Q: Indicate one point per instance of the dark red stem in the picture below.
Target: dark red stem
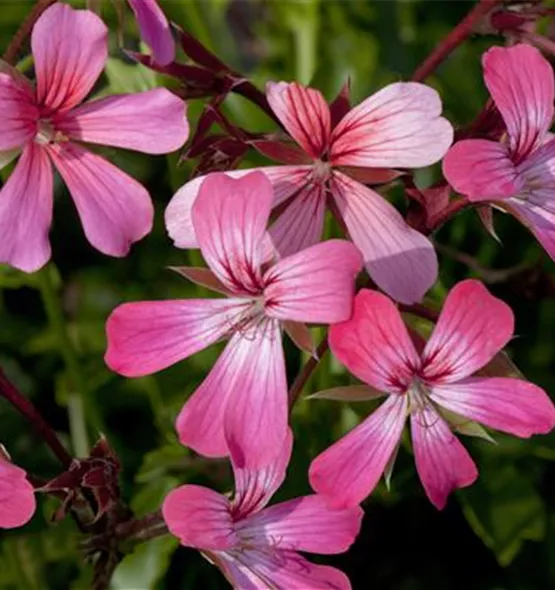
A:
(457, 36)
(442, 217)
(11, 53)
(9, 391)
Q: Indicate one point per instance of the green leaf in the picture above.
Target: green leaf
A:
(145, 566)
(504, 509)
(124, 78)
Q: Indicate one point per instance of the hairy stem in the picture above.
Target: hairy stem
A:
(142, 529)
(12, 52)
(10, 392)
(457, 36)
(306, 372)
(78, 393)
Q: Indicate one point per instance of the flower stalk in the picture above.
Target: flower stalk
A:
(10, 393)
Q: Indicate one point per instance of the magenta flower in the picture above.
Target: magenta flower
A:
(256, 547)
(399, 126)
(48, 126)
(17, 496)
(376, 347)
(516, 174)
(245, 394)
(155, 30)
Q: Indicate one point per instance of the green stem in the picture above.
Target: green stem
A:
(78, 386)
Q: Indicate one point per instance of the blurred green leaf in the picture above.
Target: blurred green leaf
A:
(505, 510)
(145, 566)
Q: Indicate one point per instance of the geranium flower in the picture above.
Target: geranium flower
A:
(17, 495)
(245, 393)
(257, 547)
(516, 174)
(376, 347)
(155, 30)
(399, 126)
(47, 124)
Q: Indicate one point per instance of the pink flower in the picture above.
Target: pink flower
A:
(518, 173)
(376, 347)
(256, 547)
(245, 394)
(17, 496)
(155, 30)
(47, 125)
(399, 126)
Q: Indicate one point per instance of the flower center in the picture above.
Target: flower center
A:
(418, 396)
(321, 172)
(47, 133)
(252, 318)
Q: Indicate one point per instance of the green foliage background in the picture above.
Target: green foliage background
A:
(497, 535)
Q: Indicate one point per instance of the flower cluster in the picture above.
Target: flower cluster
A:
(260, 233)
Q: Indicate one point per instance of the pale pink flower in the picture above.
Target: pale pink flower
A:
(399, 126)
(256, 547)
(47, 124)
(155, 30)
(17, 496)
(245, 393)
(516, 174)
(376, 347)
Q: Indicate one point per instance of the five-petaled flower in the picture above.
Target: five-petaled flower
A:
(155, 30)
(254, 546)
(48, 126)
(17, 495)
(398, 127)
(516, 174)
(376, 347)
(245, 394)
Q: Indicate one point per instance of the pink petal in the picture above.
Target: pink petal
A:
(481, 170)
(399, 126)
(152, 122)
(351, 468)
(304, 524)
(263, 569)
(374, 344)
(148, 336)
(17, 496)
(286, 181)
(242, 403)
(155, 30)
(510, 405)
(230, 217)
(442, 462)
(536, 209)
(256, 416)
(115, 209)
(19, 114)
(520, 81)
(254, 487)
(26, 211)
(200, 423)
(400, 260)
(315, 285)
(70, 49)
(305, 114)
(199, 518)
(473, 326)
(302, 223)
(537, 213)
